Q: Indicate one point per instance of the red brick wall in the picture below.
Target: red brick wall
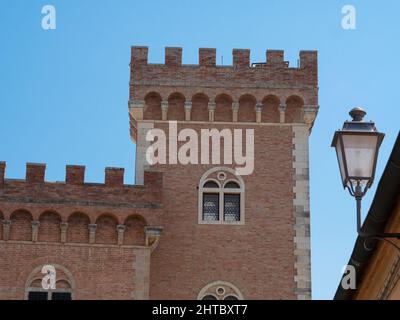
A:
(223, 109)
(256, 257)
(176, 108)
(270, 109)
(105, 232)
(153, 107)
(1, 225)
(78, 226)
(247, 109)
(133, 234)
(293, 110)
(104, 270)
(21, 227)
(99, 272)
(49, 228)
(199, 111)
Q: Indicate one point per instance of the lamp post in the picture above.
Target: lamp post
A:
(357, 146)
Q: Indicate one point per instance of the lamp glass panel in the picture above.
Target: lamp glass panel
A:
(360, 154)
(340, 159)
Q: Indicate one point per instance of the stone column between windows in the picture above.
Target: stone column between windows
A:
(235, 111)
(258, 112)
(6, 229)
(92, 233)
(188, 110)
(141, 281)
(35, 230)
(63, 228)
(120, 231)
(282, 109)
(301, 213)
(211, 111)
(164, 110)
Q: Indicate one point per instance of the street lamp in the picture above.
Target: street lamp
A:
(357, 146)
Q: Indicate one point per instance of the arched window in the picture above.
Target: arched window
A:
(220, 290)
(63, 284)
(221, 197)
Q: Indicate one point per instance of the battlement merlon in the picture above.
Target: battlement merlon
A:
(272, 74)
(75, 176)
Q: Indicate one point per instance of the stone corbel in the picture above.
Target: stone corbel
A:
(188, 109)
(211, 111)
(153, 234)
(136, 109)
(164, 109)
(309, 114)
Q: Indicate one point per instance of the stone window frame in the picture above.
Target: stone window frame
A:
(207, 291)
(32, 277)
(48, 291)
(221, 191)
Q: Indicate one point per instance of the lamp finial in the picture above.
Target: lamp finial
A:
(357, 114)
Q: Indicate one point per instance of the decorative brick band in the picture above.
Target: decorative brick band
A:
(301, 213)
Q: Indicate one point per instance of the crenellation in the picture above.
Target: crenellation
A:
(151, 85)
(276, 57)
(207, 57)
(239, 73)
(75, 177)
(75, 174)
(114, 177)
(139, 55)
(173, 56)
(35, 172)
(241, 58)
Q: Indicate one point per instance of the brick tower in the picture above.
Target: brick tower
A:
(229, 236)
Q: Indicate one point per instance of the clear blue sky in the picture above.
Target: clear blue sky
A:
(64, 92)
